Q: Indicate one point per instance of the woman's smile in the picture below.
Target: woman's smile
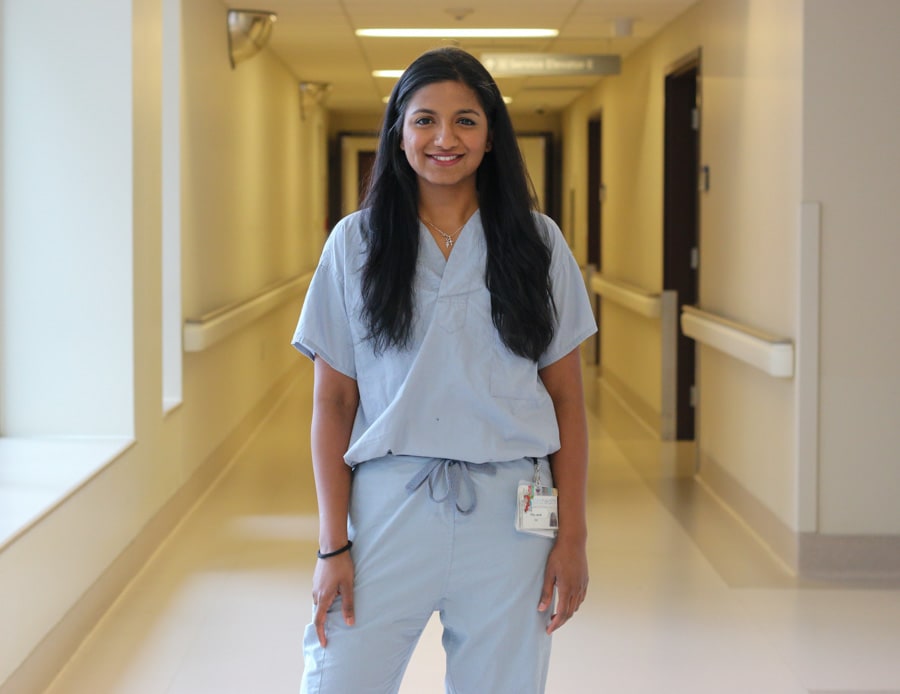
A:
(446, 158)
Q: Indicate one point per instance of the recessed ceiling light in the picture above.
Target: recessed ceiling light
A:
(458, 33)
(391, 74)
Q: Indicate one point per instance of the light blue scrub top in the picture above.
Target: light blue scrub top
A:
(457, 392)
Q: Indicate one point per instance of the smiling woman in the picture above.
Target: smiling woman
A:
(446, 370)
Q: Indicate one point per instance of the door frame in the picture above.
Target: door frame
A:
(681, 219)
(596, 196)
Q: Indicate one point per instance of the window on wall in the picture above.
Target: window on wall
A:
(67, 221)
(66, 270)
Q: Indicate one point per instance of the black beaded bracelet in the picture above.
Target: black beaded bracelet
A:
(336, 552)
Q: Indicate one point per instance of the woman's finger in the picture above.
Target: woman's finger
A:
(322, 604)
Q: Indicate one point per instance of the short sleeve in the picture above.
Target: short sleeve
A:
(324, 326)
(574, 314)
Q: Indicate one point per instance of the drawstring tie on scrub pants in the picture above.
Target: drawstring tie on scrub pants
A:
(455, 476)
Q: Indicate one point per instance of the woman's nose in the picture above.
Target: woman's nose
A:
(446, 136)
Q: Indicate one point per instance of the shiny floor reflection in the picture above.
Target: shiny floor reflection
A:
(682, 599)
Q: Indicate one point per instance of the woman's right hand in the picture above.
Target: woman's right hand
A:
(333, 577)
(335, 401)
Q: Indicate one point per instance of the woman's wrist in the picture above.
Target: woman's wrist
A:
(331, 543)
(335, 552)
(571, 535)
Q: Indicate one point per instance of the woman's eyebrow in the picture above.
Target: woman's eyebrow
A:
(461, 111)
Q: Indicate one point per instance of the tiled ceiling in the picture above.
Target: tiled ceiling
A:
(316, 39)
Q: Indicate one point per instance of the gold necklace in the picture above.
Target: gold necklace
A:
(449, 239)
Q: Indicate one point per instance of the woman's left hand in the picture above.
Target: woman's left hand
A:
(567, 571)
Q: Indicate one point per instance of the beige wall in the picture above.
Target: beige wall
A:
(253, 213)
(751, 87)
(850, 158)
(798, 105)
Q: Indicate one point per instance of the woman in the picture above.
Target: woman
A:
(444, 321)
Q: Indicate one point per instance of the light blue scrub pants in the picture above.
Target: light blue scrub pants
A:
(416, 552)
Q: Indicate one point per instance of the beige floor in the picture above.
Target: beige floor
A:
(681, 599)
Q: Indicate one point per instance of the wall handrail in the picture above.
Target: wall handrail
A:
(771, 354)
(628, 295)
(202, 332)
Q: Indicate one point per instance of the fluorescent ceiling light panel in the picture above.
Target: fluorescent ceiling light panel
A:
(458, 33)
(393, 74)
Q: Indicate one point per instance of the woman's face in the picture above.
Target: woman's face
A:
(445, 135)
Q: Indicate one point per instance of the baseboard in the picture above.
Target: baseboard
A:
(811, 556)
(768, 528)
(40, 668)
(870, 558)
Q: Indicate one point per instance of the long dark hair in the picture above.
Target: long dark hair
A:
(518, 257)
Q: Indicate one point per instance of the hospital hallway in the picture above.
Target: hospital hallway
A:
(682, 599)
(724, 173)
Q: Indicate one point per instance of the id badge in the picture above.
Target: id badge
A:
(536, 507)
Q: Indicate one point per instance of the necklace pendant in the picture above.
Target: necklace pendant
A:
(448, 242)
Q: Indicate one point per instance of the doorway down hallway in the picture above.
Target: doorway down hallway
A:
(682, 599)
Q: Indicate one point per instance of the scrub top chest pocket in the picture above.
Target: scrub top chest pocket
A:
(451, 312)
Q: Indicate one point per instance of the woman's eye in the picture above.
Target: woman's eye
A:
(466, 121)
(423, 121)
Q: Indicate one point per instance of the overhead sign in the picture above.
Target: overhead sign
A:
(549, 64)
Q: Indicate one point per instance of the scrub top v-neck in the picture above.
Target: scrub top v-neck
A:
(456, 392)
